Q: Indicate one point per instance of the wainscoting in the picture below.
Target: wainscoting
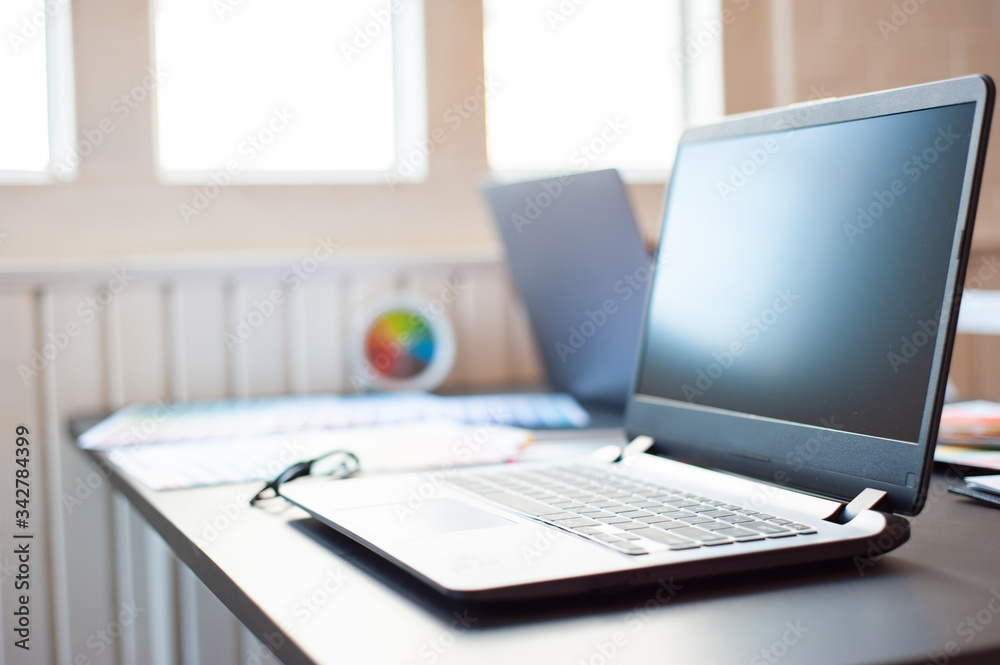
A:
(104, 588)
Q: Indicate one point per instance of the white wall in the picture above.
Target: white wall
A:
(162, 338)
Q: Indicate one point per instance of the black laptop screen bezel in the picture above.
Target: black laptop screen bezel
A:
(822, 460)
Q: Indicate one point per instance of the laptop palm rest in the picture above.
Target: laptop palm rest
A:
(401, 523)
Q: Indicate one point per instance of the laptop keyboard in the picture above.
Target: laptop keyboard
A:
(625, 514)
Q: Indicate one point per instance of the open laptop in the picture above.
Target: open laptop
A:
(583, 274)
(790, 375)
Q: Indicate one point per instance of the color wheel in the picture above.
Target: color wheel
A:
(399, 344)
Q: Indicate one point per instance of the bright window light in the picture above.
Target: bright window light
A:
(281, 88)
(24, 115)
(583, 86)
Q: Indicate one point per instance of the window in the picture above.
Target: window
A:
(35, 70)
(589, 85)
(292, 91)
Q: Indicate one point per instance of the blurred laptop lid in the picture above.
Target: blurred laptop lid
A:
(582, 272)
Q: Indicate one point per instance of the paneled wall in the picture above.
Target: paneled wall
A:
(94, 561)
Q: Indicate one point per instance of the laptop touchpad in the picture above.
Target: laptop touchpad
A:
(402, 521)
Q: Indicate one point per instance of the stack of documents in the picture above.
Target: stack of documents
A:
(171, 446)
(981, 488)
(974, 423)
(970, 434)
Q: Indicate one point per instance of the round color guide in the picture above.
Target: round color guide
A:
(399, 344)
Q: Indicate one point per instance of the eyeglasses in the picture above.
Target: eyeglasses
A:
(335, 464)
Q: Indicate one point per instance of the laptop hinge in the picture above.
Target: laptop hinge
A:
(636, 446)
(868, 499)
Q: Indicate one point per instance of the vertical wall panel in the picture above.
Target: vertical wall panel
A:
(198, 312)
(254, 651)
(463, 315)
(81, 388)
(258, 318)
(142, 319)
(132, 525)
(525, 359)
(20, 405)
(188, 608)
(238, 373)
(209, 632)
(56, 535)
(164, 338)
(205, 623)
(143, 336)
(324, 333)
(125, 576)
(161, 598)
(296, 351)
(488, 327)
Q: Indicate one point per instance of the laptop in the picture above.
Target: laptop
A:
(583, 275)
(789, 380)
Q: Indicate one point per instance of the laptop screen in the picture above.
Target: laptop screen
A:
(801, 273)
